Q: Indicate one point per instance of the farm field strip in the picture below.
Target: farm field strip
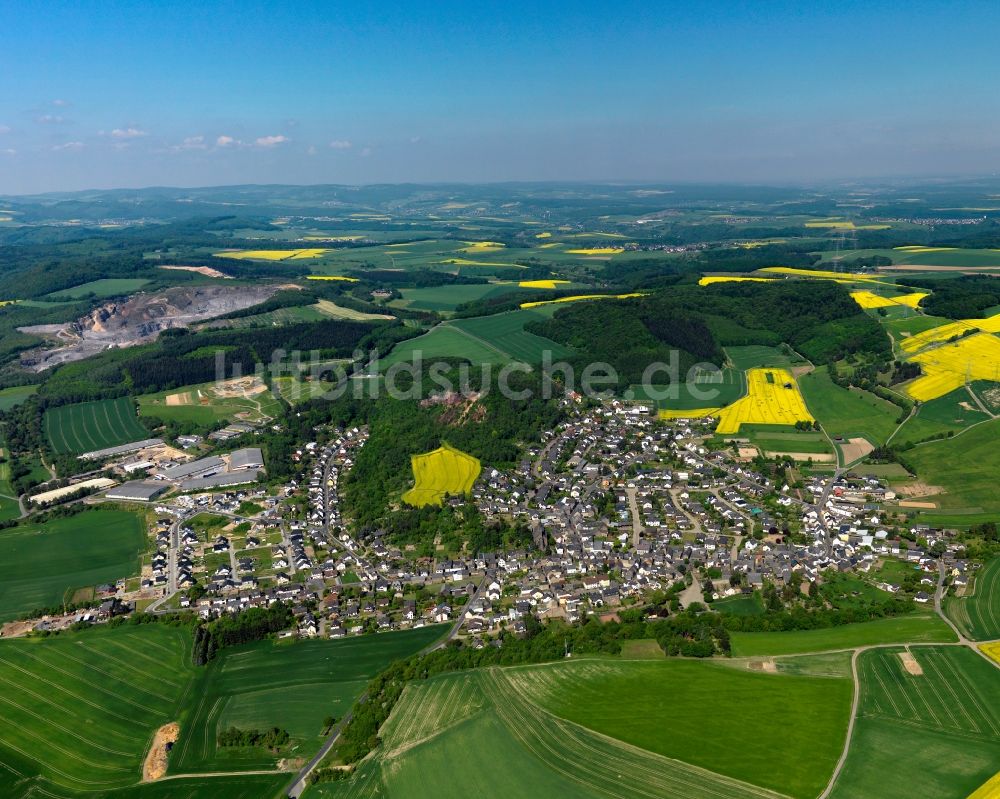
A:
(89, 426)
(942, 699)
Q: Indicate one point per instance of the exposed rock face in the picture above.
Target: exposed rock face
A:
(139, 320)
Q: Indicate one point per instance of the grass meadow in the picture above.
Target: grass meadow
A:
(923, 628)
(845, 412)
(89, 426)
(42, 564)
(105, 287)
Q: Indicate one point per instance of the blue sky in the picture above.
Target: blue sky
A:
(116, 94)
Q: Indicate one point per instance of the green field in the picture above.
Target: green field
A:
(978, 613)
(201, 405)
(944, 725)
(602, 727)
(505, 332)
(740, 605)
(443, 341)
(89, 426)
(495, 339)
(707, 390)
(292, 686)
(845, 412)
(317, 312)
(445, 299)
(754, 355)
(80, 710)
(951, 413)
(105, 287)
(41, 564)
(965, 467)
(9, 397)
(925, 628)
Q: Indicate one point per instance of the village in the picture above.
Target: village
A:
(619, 505)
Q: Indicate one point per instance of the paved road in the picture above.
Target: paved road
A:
(634, 510)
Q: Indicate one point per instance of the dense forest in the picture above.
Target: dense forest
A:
(817, 318)
(966, 297)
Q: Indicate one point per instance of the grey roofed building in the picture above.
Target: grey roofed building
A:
(221, 480)
(198, 468)
(248, 458)
(136, 491)
(121, 449)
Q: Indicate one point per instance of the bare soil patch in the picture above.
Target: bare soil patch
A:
(855, 449)
(910, 664)
(207, 271)
(918, 488)
(156, 760)
(239, 387)
(912, 503)
(768, 666)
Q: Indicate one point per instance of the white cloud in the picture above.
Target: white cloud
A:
(226, 141)
(127, 133)
(271, 141)
(4, 129)
(341, 144)
(311, 150)
(191, 143)
(60, 103)
(70, 145)
(9, 151)
(50, 119)
(366, 152)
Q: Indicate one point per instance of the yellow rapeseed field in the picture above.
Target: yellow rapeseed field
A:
(545, 235)
(446, 470)
(549, 245)
(271, 255)
(482, 246)
(991, 788)
(597, 251)
(867, 299)
(773, 397)
(922, 248)
(945, 368)
(541, 284)
(579, 297)
(819, 273)
(708, 281)
(993, 651)
(948, 330)
(332, 277)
